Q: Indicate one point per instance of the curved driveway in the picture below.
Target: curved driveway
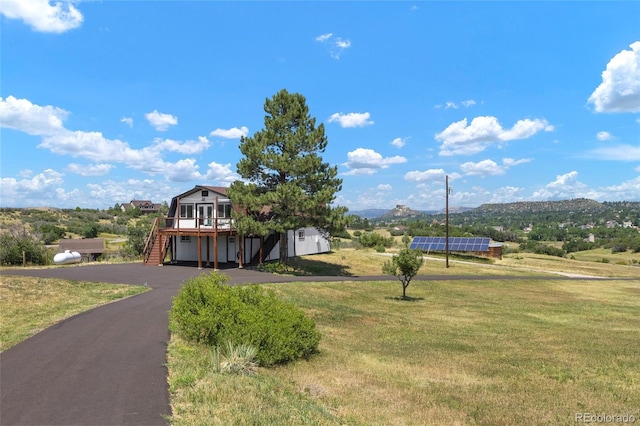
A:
(106, 366)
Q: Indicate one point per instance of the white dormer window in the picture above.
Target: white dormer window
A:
(205, 193)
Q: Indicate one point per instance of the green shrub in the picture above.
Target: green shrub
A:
(619, 248)
(209, 311)
(12, 248)
(373, 239)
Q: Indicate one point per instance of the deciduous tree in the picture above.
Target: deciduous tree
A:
(405, 265)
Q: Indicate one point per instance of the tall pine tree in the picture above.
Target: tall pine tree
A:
(287, 185)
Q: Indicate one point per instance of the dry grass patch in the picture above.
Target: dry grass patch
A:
(367, 262)
(585, 267)
(29, 305)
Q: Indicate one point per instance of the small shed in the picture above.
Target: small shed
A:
(89, 248)
(495, 250)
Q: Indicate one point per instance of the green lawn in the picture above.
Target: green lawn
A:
(461, 352)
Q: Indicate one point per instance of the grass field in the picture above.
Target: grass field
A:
(29, 305)
(461, 352)
(585, 264)
(350, 262)
(493, 352)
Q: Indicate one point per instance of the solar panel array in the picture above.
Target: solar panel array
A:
(455, 243)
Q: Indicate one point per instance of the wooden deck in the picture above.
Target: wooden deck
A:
(164, 229)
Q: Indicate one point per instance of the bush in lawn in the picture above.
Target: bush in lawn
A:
(207, 310)
(373, 239)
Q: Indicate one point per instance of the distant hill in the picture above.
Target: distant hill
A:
(575, 206)
(369, 213)
(578, 205)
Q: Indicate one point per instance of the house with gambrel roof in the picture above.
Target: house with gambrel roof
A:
(199, 229)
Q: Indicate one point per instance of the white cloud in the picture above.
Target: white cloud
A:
(90, 169)
(620, 87)
(187, 170)
(616, 153)
(324, 37)
(43, 16)
(187, 148)
(384, 187)
(95, 147)
(127, 120)
(524, 129)
(110, 192)
(232, 133)
(453, 105)
(509, 162)
(565, 187)
(506, 194)
(460, 138)
(47, 122)
(604, 136)
(22, 115)
(399, 142)
(564, 180)
(161, 121)
(367, 161)
(628, 190)
(483, 168)
(41, 190)
(432, 175)
(182, 170)
(221, 173)
(352, 119)
(489, 167)
(336, 45)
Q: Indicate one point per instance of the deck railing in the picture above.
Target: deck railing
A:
(191, 223)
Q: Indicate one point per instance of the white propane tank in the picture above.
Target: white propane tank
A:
(67, 257)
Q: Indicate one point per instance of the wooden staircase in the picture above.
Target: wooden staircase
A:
(155, 248)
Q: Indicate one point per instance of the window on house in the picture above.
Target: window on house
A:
(301, 235)
(185, 238)
(224, 210)
(205, 193)
(186, 211)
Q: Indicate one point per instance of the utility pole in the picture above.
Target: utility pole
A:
(446, 242)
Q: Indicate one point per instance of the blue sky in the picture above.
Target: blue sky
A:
(104, 102)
